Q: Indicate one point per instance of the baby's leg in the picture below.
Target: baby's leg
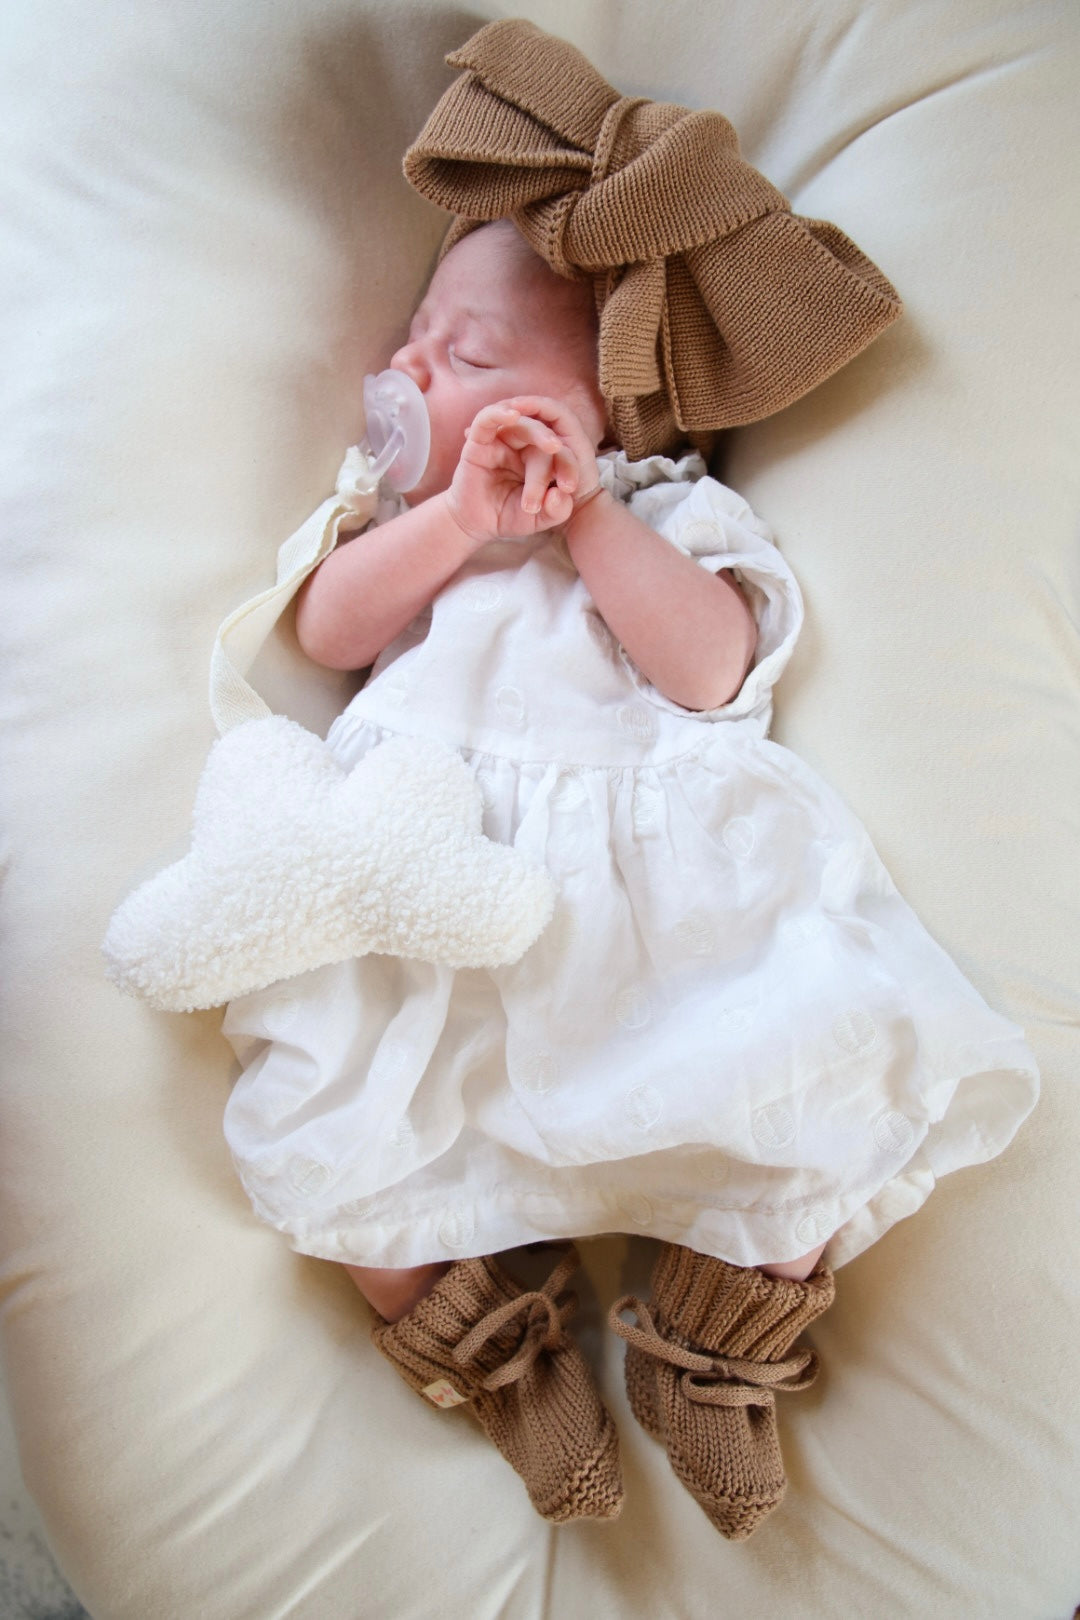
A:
(394, 1293)
(794, 1270)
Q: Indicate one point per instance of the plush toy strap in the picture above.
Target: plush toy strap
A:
(232, 698)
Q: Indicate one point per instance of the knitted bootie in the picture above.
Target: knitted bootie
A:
(702, 1369)
(480, 1338)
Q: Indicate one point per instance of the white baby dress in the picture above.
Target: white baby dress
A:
(733, 1034)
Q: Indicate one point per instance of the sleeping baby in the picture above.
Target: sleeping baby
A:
(733, 1036)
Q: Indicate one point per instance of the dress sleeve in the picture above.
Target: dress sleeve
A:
(712, 524)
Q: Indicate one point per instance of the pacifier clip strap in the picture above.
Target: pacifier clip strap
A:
(232, 698)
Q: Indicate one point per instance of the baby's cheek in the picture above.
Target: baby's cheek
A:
(442, 464)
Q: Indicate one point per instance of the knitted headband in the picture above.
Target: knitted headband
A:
(717, 304)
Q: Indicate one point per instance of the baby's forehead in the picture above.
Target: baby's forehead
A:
(470, 309)
(499, 299)
(515, 314)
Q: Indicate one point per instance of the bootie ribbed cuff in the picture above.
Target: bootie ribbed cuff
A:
(421, 1345)
(708, 1304)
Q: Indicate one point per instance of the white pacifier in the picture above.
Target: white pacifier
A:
(397, 436)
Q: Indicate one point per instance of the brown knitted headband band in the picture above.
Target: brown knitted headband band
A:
(717, 304)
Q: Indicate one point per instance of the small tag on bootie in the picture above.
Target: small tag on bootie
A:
(440, 1393)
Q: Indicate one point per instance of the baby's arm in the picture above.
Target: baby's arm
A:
(371, 587)
(690, 632)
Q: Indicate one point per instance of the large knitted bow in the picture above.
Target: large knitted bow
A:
(717, 304)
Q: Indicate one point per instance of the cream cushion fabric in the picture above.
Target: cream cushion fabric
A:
(205, 242)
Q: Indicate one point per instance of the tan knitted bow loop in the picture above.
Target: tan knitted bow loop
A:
(546, 1317)
(649, 1340)
(717, 304)
(732, 1381)
(713, 1380)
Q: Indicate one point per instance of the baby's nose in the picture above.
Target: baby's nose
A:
(410, 360)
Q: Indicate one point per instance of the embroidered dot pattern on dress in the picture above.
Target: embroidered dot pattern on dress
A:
(732, 1030)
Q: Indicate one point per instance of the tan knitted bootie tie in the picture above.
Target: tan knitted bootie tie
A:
(702, 1370)
(480, 1338)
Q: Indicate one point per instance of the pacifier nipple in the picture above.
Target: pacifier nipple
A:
(398, 433)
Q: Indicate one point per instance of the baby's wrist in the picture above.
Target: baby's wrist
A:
(475, 537)
(592, 505)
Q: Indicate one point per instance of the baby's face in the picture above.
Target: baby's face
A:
(496, 322)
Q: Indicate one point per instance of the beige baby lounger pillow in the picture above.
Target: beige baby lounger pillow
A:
(206, 242)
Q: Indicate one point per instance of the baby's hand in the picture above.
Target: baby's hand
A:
(526, 464)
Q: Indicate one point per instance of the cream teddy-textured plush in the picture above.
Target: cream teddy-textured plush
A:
(296, 863)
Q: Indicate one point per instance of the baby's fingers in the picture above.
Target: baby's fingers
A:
(558, 505)
(527, 434)
(521, 431)
(539, 471)
(492, 423)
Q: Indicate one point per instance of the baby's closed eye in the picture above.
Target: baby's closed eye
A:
(469, 363)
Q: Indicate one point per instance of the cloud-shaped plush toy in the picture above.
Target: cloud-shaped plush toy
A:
(296, 863)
